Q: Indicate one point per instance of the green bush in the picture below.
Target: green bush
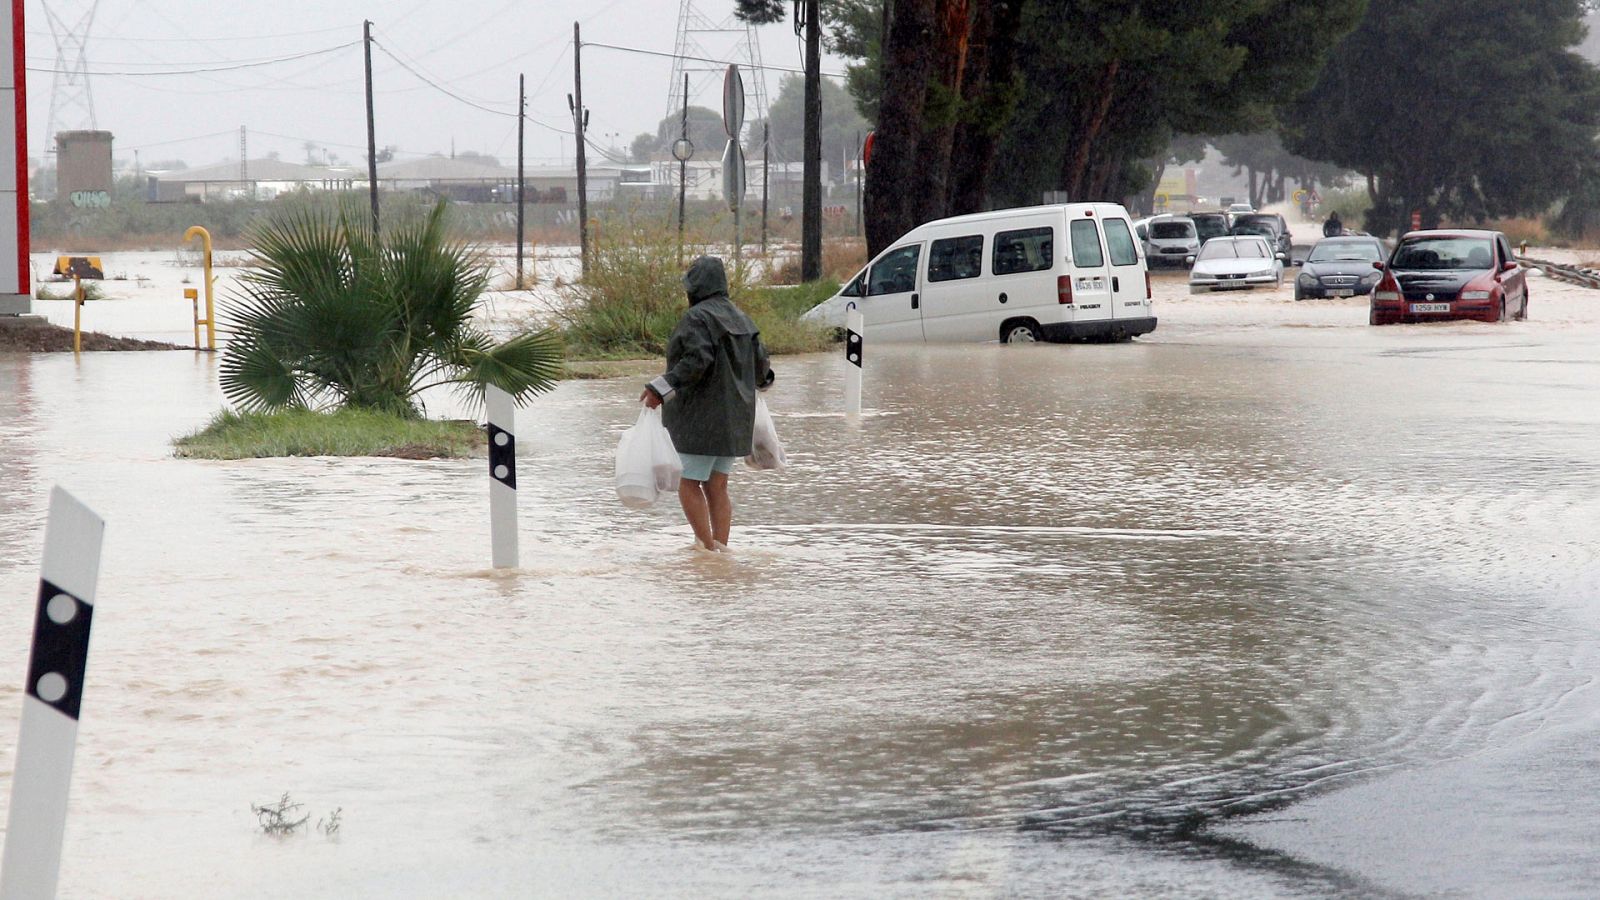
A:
(335, 315)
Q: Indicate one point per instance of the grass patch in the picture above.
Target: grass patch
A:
(632, 297)
(346, 432)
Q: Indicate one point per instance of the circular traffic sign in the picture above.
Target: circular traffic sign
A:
(682, 149)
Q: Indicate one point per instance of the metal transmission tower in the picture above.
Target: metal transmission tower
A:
(704, 48)
(71, 100)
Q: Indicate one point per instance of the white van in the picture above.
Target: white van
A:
(1037, 273)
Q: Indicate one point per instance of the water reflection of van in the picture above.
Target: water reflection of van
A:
(1055, 273)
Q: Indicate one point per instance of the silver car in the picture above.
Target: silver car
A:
(1235, 263)
(1171, 241)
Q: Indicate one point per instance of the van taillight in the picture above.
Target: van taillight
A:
(1064, 289)
(1147, 294)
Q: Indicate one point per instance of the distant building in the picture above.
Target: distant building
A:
(83, 168)
(468, 179)
(260, 179)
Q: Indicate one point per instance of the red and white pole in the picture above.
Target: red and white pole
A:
(16, 295)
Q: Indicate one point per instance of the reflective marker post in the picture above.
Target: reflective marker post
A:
(502, 476)
(48, 735)
(854, 344)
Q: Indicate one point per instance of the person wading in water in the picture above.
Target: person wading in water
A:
(715, 365)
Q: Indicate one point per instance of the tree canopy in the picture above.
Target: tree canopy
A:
(841, 123)
(705, 132)
(1457, 109)
(1077, 96)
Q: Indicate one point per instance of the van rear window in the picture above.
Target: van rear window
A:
(1024, 250)
(1086, 245)
(1120, 243)
(950, 259)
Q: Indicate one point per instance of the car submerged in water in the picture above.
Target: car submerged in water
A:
(1235, 263)
(1340, 267)
(1450, 274)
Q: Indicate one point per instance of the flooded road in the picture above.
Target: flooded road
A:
(1053, 621)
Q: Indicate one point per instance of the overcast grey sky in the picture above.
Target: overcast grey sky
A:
(475, 49)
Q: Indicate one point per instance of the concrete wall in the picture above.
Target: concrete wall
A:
(83, 167)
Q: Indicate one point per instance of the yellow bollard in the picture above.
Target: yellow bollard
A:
(210, 321)
(193, 296)
(77, 315)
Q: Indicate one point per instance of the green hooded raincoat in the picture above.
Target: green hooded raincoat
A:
(715, 365)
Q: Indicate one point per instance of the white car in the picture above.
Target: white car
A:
(1235, 263)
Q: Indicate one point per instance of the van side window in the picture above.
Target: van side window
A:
(896, 273)
(1120, 242)
(953, 258)
(1024, 250)
(1086, 245)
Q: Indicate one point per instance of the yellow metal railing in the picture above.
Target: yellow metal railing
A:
(210, 321)
(77, 314)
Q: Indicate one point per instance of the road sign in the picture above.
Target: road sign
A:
(732, 101)
(1299, 195)
(733, 174)
(682, 149)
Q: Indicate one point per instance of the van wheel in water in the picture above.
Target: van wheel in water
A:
(1020, 331)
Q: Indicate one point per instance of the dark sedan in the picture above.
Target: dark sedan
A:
(1283, 244)
(1340, 267)
(1266, 226)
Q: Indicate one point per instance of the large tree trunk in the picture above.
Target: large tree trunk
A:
(893, 172)
(987, 102)
(942, 109)
(1078, 164)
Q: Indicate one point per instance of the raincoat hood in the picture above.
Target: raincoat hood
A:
(705, 279)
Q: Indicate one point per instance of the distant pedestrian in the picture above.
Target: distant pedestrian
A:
(715, 365)
(1333, 227)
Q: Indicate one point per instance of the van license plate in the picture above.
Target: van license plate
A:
(1430, 307)
(1343, 292)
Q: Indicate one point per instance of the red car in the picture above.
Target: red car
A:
(1450, 274)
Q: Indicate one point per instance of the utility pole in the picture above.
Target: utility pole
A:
(683, 150)
(580, 121)
(522, 118)
(811, 196)
(244, 162)
(858, 182)
(372, 138)
(766, 153)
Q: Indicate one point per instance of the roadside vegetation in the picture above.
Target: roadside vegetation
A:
(633, 296)
(343, 432)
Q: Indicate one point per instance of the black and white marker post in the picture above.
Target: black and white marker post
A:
(48, 736)
(502, 477)
(854, 344)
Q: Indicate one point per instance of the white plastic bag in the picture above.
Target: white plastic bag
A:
(647, 463)
(766, 451)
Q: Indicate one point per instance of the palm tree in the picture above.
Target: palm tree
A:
(333, 316)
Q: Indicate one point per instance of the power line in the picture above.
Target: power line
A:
(439, 87)
(190, 40)
(226, 68)
(723, 62)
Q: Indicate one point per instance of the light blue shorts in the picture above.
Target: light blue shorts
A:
(698, 468)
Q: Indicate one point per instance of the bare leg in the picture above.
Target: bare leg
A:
(720, 505)
(691, 495)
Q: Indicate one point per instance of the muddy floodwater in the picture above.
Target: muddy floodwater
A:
(1267, 604)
